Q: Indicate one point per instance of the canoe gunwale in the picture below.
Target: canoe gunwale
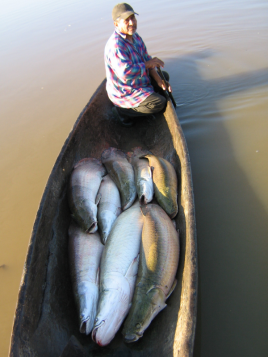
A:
(184, 345)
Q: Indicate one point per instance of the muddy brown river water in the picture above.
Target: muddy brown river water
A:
(217, 55)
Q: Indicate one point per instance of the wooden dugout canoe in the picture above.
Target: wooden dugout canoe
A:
(46, 322)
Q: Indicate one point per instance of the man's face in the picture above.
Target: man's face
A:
(127, 26)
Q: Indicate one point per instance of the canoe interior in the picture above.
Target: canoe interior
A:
(46, 321)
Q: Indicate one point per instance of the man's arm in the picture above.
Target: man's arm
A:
(151, 64)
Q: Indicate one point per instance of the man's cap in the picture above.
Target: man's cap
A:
(122, 11)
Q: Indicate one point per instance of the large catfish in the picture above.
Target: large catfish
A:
(119, 266)
(85, 252)
(122, 173)
(83, 188)
(165, 184)
(143, 175)
(109, 206)
(159, 258)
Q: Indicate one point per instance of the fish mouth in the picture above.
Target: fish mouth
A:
(132, 337)
(104, 238)
(84, 328)
(95, 329)
(143, 200)
(93, 227)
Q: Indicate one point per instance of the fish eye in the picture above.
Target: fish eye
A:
(138, 325)
(96, 319)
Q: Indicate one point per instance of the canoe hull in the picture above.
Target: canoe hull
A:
(46, 321)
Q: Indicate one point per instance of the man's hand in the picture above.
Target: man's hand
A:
(154, 62)
(161, 83)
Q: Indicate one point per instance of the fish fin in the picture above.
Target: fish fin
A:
(155, 287)
(97, 281)
(158, 298)
(172, 288)
(98, 198)
(133, 268)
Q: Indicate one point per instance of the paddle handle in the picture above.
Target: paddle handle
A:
(167, 93)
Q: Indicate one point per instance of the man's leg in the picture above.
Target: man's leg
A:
(151, 105)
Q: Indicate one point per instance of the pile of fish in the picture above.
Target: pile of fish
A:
(123, 251)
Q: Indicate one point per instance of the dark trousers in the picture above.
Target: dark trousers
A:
(151, 105)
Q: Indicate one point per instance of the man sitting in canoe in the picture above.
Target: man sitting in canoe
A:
(132, 79)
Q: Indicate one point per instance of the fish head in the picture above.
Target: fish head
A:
(87, 304)
(112, 309)
(86, 216)
(92, 219)
(145, 308)
(106, 220)
(146, 191)
(170, 206)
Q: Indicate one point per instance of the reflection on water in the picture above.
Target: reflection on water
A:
(216, 53)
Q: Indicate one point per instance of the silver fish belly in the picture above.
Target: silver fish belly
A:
(143, 176)
(109, 207)
(119, 266)
(83, 188)
(159, 259)
(85, 252)
(122, 173)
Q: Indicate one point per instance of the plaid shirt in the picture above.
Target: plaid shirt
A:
(128, 82)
